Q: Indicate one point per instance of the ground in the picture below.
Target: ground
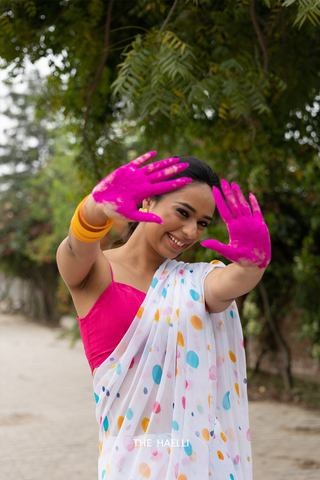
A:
(47, 415)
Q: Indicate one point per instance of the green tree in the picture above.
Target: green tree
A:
(235, 82)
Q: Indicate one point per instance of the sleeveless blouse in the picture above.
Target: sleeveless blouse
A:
(108, 320)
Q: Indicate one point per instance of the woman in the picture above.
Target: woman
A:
(163, 337)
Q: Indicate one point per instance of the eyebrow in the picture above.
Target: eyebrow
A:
(194, 210)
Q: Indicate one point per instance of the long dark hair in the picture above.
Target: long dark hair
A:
(198, 170)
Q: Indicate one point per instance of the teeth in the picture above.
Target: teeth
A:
(175, 241)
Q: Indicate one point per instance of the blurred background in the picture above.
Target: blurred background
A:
(87, 86)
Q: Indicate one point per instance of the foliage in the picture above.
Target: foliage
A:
(236, 83)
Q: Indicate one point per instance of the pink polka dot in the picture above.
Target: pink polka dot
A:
(189, 304)
(128, 442)
(213, 373)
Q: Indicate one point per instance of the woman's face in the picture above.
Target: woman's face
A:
(186, 213)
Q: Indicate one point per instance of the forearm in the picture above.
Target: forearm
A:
(233, 281)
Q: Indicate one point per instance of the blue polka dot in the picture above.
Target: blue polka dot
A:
(239, 428)
(244, 380)
(157, 374)
(231, 476)
(188, 448)
(190, 271)
(195, 295)
(231, 313)
(192, 414)
(103, 474)
(118, 395)
(164, 293)
(173, 405)
(200, 409)
(175, 425)
(106, 424)
(145, 390)
(103, 389)
(154, 282)
(197, 434)
(107, 393)
(182, 281)
(192, 359)
(129, 414)
(226, 401)
(118, 370)
(117, 448)
(211, 433)
(96, 398)
(111, 359)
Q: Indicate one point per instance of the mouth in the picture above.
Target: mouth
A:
(175, 243)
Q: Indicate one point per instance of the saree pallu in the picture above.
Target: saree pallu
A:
(171, 399)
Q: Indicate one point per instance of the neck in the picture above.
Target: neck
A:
(140, 254)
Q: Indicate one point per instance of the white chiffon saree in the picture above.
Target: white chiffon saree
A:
(171, 399)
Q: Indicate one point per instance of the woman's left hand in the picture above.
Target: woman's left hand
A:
(249, 235)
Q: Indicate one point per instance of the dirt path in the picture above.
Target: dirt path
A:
(48, 428)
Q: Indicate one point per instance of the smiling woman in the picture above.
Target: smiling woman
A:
(163, 338)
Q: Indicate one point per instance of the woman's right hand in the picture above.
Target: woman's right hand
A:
(120, 193)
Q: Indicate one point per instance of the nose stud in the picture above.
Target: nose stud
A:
(143, 209)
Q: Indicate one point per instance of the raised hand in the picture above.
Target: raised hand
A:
(121, 192)
(249, 236)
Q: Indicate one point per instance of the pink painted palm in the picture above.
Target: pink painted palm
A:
(249, 235)
(121, 192)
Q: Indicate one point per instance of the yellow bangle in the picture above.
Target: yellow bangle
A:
(85, 232)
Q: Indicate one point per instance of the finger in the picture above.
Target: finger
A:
(218, 247)
(145, 217)
(241, 200)
(154, 167)
(141, 160)
(167, 172)
(221, 206)
(232, 202)
(255, 208)
(165, 187)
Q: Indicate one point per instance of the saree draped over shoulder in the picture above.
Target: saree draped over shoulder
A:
(171, 399)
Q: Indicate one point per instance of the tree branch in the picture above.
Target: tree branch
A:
(93, 87)
(169, 15)
(261, 41)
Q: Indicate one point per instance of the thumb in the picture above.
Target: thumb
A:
(146, 217)
(218, 247)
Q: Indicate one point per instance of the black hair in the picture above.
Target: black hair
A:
(198, 170)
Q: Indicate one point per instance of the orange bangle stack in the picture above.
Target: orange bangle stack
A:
(85, 232)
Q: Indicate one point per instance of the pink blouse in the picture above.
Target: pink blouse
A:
(108, 320)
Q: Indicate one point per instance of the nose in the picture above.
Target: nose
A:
(190, 230)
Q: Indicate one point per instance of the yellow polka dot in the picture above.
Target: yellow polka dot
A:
(196, 322)
(140, 312)
(100, 447)
(182, 477)
(214, 262)
(206, 434)
(157, 316)
(150, 349)
(236, 386)
(119, 422)
(193, 456)
(222, 435)
(180, 340)
(169, 450)
(107, 469)
(177, 312)
(232, 356)
(107, 433)
(113, 366)
(248, 458)
(144, 470)
(168, 319)
(144, 423)
(208, 347)
(209, 399)
(220, 455)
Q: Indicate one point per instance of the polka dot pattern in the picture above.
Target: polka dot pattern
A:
(171, 400)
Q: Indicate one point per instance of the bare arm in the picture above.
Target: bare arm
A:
(75, 258)
(223, 285)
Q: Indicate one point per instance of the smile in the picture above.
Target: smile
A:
(174, 240)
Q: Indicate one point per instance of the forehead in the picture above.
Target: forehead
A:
(197, 195)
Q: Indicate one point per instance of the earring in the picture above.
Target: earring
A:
(143, 209)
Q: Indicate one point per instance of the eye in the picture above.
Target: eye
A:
(183, 212)
(203, 224)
